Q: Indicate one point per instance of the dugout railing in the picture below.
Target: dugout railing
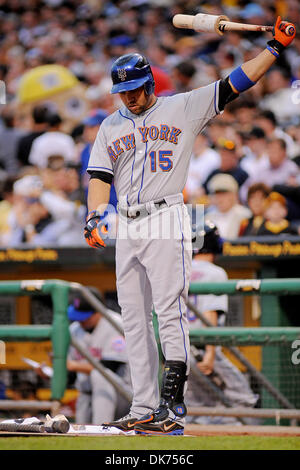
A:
(58, 331)
(278, 378)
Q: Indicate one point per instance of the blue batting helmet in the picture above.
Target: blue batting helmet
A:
(131, 71)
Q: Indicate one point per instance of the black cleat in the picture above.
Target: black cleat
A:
(158, 422)
(125, 424)
(163, 428)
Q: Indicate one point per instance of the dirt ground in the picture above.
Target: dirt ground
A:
(227, 430)
(207, 430)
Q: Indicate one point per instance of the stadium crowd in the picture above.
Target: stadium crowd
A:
(245, 168)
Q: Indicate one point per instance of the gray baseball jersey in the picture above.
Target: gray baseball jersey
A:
(148, 154)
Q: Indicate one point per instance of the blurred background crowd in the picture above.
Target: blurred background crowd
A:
(55, 59)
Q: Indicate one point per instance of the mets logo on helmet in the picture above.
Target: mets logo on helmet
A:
(122, 74)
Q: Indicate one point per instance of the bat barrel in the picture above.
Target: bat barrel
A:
(183, 21)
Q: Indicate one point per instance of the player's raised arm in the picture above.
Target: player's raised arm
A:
(244, 77)
(214, 97)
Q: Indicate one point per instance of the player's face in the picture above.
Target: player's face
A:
(136, 100)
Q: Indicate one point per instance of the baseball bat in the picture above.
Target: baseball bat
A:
(58, 424)
(15, 427)
(219, 24)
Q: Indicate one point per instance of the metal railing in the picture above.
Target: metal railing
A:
(59, 334)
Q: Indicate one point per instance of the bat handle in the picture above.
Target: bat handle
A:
(15, 427)
(231, 26)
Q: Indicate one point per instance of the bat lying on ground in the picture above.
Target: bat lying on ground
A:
(58, 424)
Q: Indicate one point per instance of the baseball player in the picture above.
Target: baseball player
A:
(210, 360)
(97, 400)
(145, 147)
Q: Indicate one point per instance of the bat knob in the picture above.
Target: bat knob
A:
(289, 30)
(58, 424)
(61, 427)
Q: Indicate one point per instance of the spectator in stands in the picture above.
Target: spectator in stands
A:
(52, 142)
(92, 125)
(204, 160)
(279, 97)
(275, 216)
(64, 198)
(38, 127)
(34, 218)
(6, 206)
(98, 401)
(226, 212)
(244, 114)
(256, 199)
(216, 130)
(33, 224)
(226, 62)
(278, 169)
(9, 139)
(255, 153)
(238, 45)
(255, 157)
(183, 74)
(229, 163)
(294, 132)
(291, 192)
(267, 121)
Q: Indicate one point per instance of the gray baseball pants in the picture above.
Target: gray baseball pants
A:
(153, 264)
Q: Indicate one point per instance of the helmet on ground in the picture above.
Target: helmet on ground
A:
(131, 71)
(206, 239)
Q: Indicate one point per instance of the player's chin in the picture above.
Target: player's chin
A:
(135, 108)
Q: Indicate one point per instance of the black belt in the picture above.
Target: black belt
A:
(157, 204)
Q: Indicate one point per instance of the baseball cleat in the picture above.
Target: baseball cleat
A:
(164, 428)
(125, 424)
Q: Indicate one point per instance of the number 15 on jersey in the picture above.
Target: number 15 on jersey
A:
(164, 161)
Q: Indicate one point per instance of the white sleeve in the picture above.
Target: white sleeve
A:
(211, 302)
(202, 105)
(34, 153)
(58, 207)
(99, 158)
